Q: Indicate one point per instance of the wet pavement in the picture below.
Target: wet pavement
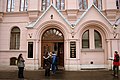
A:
(60, 75)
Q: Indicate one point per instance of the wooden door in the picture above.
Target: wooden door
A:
(46, 47)
(61, 54)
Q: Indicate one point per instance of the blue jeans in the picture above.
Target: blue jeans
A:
(53, 68)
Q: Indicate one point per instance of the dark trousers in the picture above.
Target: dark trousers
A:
(47, 72)
(20, 72)
(116, 70)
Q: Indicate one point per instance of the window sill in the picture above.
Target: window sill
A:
(92, 50)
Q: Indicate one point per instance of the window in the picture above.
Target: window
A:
(83, 4)
(118, 4)
(60, 4)
(13, 61)
(45, 4)
(23, 5)
(98, 3)
(91, 39)
(53, 34)
(15, 38)
(98, 41)
(10, 5)
(30, 49)
(85, 39)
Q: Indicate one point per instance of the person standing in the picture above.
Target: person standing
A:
(21, 65)
(116, 64)
(47, 64)
(54, 62)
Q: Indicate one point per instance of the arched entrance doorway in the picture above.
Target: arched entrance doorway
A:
(53, 40)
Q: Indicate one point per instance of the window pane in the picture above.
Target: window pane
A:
(13, 5)
(58, 4)
(8, 5)
(62, 4)
(80, 4)
(30, 49)
(22, 5)
(26, 5)
(53, 34)
(45, 4)
(98, 4)
(85, 39)
(15, 38)
(48, 3)
(83, 4)
(98, 40)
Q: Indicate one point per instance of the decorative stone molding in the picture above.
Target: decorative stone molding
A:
(72, 14)
(33, 15)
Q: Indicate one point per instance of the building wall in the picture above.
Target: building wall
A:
(71, 22)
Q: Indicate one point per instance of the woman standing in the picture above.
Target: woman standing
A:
(47, 64)
(21, 66)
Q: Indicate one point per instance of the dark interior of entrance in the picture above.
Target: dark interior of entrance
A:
(58, 48)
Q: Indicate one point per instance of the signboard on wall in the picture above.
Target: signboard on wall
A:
(72, 49)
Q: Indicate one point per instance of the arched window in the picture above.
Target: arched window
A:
(23, 5)
(60, 4)
(85, 39)
(15, 38)
(45, 4)
(98, 40)
(10, 5)
(91, 39)
(52, 34)
(98, 4)
(83, 4)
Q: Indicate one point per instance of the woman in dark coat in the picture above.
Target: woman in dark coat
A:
(47, 64)
(21, 66)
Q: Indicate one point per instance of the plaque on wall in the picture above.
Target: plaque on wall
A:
(72, 49)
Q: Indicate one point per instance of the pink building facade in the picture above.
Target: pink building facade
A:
(83, 33)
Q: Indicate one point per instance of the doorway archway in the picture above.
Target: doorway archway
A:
(53, 40)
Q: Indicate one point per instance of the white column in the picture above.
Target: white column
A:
(91, 38)
(78, 54)
(66, 54)
(109, 52)
(36, 55)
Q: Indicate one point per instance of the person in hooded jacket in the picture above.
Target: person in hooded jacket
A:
(116, 64)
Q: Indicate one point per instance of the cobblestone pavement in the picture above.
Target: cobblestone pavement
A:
(60, 75)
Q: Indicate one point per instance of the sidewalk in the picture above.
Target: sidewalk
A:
(60, 75)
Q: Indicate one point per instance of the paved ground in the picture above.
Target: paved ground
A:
(60, 75)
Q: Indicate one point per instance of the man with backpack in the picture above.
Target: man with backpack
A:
(116, 64)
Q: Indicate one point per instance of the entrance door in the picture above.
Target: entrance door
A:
(53, 40)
